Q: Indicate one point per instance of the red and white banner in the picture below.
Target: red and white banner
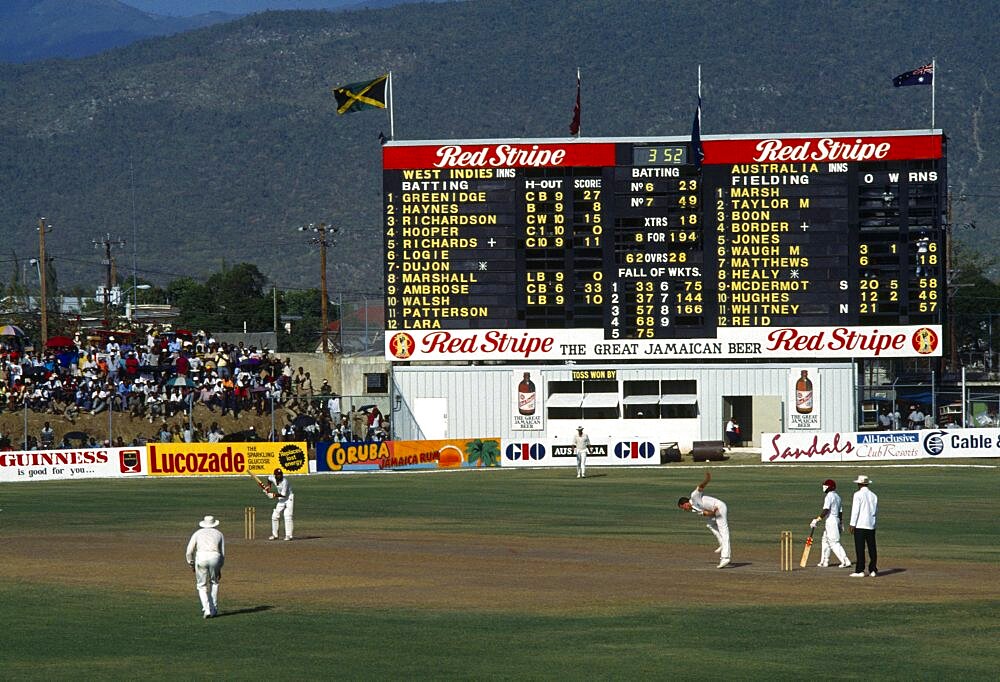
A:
(827, 149)
(807, 148)
(512, 154)
(799, 448)
(590, 344)
(50, 465)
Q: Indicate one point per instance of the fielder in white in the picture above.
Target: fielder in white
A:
(832, 510)
(280, 489)
(206, 552)
(716, 510)
(581, 444)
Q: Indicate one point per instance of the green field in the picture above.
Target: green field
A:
(541, 575)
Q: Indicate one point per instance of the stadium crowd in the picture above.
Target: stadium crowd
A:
(158, 374)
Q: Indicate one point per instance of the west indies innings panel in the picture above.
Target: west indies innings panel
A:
(799, 245)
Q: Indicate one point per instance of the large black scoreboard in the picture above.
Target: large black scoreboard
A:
(804, 245)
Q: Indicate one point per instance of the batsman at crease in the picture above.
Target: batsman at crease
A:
(278, 488)
(831, 513)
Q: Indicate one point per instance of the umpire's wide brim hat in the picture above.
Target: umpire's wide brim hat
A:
(209, 522)
(863, 480)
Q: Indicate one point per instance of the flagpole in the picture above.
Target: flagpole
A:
(699, 80)
(934, 77)
(392, 125)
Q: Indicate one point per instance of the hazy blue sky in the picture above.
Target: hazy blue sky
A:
(189, 7)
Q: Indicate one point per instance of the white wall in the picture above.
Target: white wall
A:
(481, 399)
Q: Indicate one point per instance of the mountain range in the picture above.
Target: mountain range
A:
(211, 146)
(32, 30)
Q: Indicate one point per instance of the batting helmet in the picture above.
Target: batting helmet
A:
(829, 484)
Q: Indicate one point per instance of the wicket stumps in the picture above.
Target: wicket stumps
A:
(786, 550)
(249, 523)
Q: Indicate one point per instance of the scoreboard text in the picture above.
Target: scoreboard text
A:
(819, 245)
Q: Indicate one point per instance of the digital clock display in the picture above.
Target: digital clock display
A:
(659, 155)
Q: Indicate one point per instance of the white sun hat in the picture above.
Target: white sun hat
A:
(209, 522)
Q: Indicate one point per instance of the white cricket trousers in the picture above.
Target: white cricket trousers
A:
(581, 463)
(831, 542)
(719, 525)
(286, 508)
(207, 574)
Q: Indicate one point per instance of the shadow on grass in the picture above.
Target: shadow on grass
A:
(890, 571)
(240, 612)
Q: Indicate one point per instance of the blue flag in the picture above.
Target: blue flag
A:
(922, 76)
(697, 152)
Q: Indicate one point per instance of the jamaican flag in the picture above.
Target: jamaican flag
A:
(365, 95)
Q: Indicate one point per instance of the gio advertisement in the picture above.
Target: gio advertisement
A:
(534, 453)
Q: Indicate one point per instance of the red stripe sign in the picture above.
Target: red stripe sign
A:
(507, 155)
(823, 149)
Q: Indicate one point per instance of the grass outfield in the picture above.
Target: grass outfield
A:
(501, 574)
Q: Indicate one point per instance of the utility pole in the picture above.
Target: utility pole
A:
(949, 277)
(108, 263)
(324, 237)
(274, 301)
(42, 228)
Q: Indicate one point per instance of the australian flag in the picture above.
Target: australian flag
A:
(922, 76)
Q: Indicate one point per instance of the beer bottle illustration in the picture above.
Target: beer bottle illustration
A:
(804, 394)
(526, 395)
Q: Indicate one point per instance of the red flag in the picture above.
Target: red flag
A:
(574, 125)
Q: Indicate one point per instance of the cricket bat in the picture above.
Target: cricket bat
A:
(263, 486)
(808, 548)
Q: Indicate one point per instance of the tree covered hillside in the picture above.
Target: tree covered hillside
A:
(212, 146)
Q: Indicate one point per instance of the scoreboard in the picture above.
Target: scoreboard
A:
(801, 245)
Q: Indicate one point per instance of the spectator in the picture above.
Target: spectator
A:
(374, 418)
(102, 399)
(333, 406)
(733, 435)
(47, 438)
(307, 388)
(214, 433)
(884, 420)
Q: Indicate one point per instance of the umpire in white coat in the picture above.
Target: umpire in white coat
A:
(864, 516)
(206, 552)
